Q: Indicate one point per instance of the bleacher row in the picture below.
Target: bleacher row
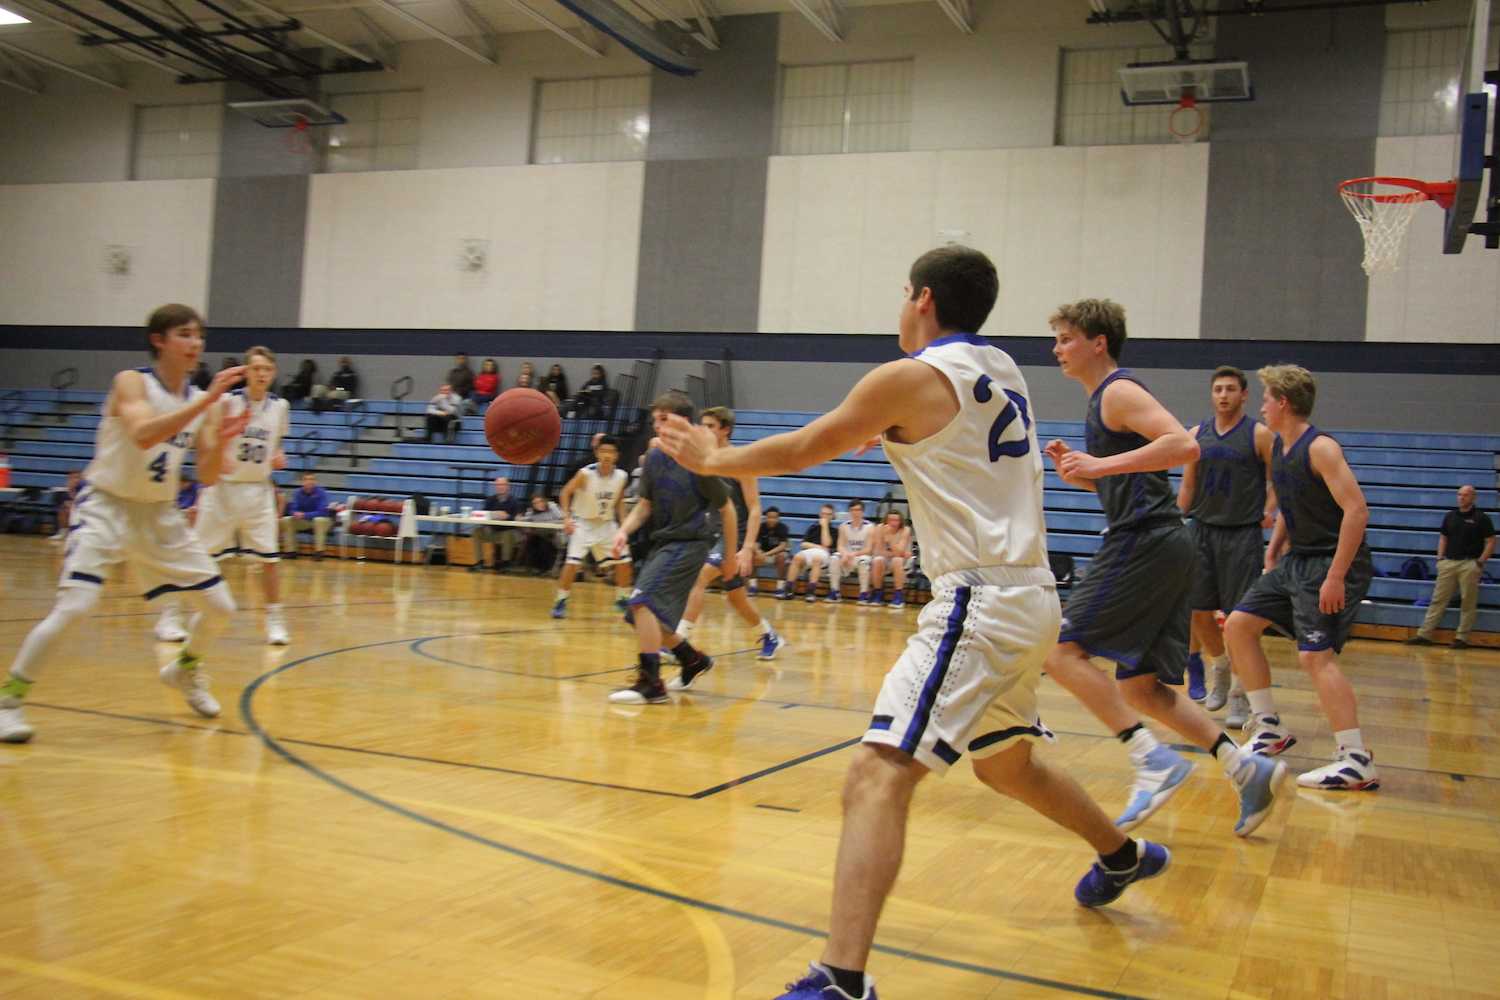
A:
(1409, 479)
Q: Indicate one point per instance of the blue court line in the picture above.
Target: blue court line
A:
(247, 712)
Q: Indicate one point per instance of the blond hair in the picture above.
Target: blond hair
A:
(723, 414)
(264, 352)
(1292, 383)
(1095, 318)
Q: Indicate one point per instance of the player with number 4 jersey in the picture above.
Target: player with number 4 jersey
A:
(956, 421)
(125, 512)
(238, 516)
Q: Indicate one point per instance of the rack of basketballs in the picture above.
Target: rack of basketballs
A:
(374, 517)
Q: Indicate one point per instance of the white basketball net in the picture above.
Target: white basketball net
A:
(1383, 219)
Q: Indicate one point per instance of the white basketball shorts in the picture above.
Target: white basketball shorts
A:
(597, 537)
(154, 538)
(967, 679)
(239, 519)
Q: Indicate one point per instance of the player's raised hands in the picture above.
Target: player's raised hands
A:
(1056, 449)
(232, 426)
(224, 380)
(689, 444)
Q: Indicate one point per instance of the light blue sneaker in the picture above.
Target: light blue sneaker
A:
(1163, 773)
(1101, 886)
(819, 985)
(1257, 779)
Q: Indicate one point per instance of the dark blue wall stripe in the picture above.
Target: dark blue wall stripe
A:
(859, 348)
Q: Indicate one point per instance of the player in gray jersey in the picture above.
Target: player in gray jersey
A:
(1227, 495)
(1132, 606)
(1317, 570)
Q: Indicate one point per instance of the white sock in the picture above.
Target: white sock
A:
(1235, 687)
(1261, 702)
(1349, 739)
(765, 628)
(1219, 662)
(562, 595)
(1142, 743)
(685, 628)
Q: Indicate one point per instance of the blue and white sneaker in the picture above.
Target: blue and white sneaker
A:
(560, 609)
(1196, 691)
(1257, 779)
(784, 593)
(1268, 738)
(770, 644)
(1156, 781)
(834, 596)
(819, 985)
(897, 602)
(1101, 886)
(1351, 771)
(864, 598)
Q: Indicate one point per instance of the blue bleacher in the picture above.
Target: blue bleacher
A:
(1408, 478)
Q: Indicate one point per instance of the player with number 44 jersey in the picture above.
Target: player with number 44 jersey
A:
(956, 420)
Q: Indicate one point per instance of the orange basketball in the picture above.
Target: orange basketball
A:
(522, 426)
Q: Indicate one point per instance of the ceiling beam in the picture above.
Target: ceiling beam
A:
(824, 15)
(20, 75)
(61, 67)
(440, 35)
(327, 40)
(595, 49)
(119, 51)
(961, 13)
(484, 33)
(381, 42)
(706, 33)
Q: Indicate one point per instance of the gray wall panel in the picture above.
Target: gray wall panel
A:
(728, 109)
(1281, 255)
(260, 229)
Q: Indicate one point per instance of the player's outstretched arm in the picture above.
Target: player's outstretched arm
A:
(148, 429)
(1130, 407)
(1264, 441)
(1327, 460)
(884, 398)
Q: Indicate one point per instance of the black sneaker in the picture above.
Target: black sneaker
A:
(1461, 644)
(646, 690)
(1419, 640)
(691, 673)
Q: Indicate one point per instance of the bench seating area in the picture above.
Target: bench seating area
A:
(1409, 479)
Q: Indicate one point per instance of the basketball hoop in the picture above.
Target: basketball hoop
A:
(297, 140)
(1186, 120)
(1384, 208)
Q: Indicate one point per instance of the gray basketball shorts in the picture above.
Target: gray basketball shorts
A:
(716, 560)
(666, 578)
(1229, 562)
(1288, 597)
(1132, 605)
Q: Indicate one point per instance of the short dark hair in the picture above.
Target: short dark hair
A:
(164, 318)
(963, 282)
(1095, 318)
(856, 503)
(674, 401)
(825, 503)
(1230, 371)
(609, 439)
(773, 510)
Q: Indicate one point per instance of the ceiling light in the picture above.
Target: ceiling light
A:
(9, 17)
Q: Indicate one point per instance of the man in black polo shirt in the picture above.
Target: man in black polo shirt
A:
(1465, 545)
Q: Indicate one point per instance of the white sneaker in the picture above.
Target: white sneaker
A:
(13, 727)
(186, 675)
(1218, 688)
(1351, 771)
(276, 634)
(169, 625)
(1239, 710)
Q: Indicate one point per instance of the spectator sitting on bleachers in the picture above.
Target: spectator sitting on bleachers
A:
(64, 500)
(497, 546)
(555, 386)
(527, 372)
(308, 510)
(461, 379)
(539, 549)
(300, 385)
(892, 552)
(590, 399)
(817, 547)
(771, 545)
(442, 414)
(344, 384)
(486, 384)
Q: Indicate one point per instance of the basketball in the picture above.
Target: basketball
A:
(522, 426)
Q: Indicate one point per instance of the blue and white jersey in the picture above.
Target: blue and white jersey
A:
(975, 487)
(248, 459)
(123, 469)
(595, 499)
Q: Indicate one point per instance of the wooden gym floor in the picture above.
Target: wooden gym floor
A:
(426, 795)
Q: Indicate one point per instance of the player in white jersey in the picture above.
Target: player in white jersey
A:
(126, 511)
(238, 515)
(856, 548)
(592, 503)
(957, 426)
